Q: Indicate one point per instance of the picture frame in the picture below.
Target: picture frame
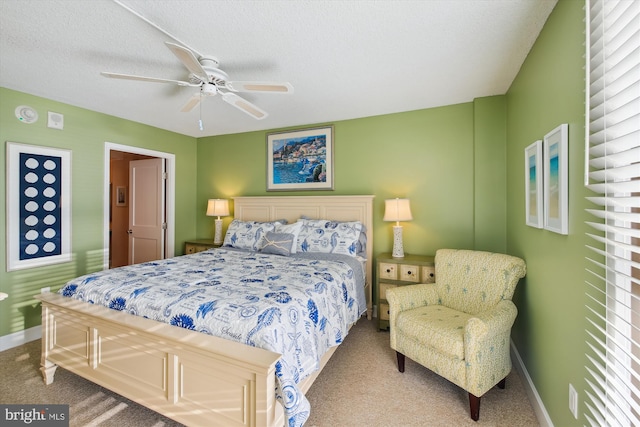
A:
(533, 183)
(121, 196)
(38, 198)
(300, 159)
(556, 185)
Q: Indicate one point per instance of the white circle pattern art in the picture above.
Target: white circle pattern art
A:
(40, 187)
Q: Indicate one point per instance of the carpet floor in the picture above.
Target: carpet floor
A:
(360, 386)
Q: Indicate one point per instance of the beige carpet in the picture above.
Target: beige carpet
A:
(360, 386)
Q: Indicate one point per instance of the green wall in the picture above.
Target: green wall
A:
(549, 330)
(428, 156)
(85, 133)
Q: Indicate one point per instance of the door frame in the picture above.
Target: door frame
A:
(170, 162)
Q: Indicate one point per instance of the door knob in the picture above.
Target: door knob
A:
(129, 231)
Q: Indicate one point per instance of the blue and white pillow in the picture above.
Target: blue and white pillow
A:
(324, 236)
(247, 234)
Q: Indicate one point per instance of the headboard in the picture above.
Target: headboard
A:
(339, 208)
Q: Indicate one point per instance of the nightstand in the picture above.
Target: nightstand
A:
(195, 246)
(392, 272)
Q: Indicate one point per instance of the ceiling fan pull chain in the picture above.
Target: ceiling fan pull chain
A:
(200, 120)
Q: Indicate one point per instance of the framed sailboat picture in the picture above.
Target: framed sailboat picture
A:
(300, 160)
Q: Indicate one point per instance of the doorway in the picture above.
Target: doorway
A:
(116, 224)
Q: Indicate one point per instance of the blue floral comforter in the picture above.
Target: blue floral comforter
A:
(298, 306)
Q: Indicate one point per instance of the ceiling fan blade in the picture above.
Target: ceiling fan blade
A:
(146, 79)
(271, 87)
(189, 60)
(244, 105)
(191, 103)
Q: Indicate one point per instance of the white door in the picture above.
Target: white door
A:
(146, 210)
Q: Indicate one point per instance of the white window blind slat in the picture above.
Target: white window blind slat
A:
(614, 160)
(601, 148)
(629, 232)
(619, 216)
(619, 173)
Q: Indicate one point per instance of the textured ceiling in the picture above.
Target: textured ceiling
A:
(346, 59)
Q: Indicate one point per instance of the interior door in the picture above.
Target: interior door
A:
(146, 210)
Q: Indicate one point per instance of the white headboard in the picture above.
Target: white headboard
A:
(339, 208)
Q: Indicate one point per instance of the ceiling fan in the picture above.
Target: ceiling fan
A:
(211, 80)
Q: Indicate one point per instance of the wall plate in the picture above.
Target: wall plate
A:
(26, 114)
(55, 120)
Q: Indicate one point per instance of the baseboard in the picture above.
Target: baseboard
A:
(532, 393)
(18, 338)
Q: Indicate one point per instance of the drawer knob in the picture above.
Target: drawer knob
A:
(430, 274)
(410, 273)
(388, 270)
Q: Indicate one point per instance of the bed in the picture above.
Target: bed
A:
(189, 376)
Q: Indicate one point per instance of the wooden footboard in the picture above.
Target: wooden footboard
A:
(193, 378)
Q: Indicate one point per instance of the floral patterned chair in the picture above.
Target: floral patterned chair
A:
(459, 327)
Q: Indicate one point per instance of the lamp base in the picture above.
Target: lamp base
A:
(398, 250)
(217, 236)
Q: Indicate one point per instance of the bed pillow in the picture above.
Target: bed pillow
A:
(277, 243)
(325, 236)
(291, 229)
(247, 234)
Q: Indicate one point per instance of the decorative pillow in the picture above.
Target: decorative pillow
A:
(321, 235)
(277, 243)
(292, 229)
(247, 234)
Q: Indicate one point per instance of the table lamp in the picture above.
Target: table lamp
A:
(218, 207)
(397, 210)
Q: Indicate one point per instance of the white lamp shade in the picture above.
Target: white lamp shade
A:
(397, 210)
(218, 207)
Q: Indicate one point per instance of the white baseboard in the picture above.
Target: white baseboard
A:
(532, 393)
(19, 338)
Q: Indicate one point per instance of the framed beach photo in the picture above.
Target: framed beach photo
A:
(556, 185)
(300, 160)
(38, 206)
(533, 184)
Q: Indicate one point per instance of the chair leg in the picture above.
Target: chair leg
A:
(400, 357)
(502, 384)
(474, 406)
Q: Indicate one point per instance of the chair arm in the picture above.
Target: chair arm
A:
(486, 347)
(404, 298)
(492, 322)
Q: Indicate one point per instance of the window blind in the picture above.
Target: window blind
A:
(612, 396)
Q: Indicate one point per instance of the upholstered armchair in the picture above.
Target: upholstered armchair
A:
(459, 327)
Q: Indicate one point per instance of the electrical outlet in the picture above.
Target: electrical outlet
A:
(573, 401)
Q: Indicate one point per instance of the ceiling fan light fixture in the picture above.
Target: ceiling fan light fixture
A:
(208, 89)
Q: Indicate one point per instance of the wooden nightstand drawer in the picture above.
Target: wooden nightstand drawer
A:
(388, 271)
(383, 289)
(384, 311)
(195, 246)
(192, 249)
(395, 272)
(428, 274)
(409, 273)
